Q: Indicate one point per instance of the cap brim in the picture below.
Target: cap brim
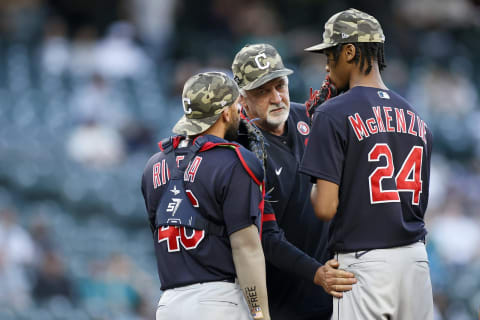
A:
(192, 127)
(269, 76)
(320, 47)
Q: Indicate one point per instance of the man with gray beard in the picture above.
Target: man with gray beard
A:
(297, 266)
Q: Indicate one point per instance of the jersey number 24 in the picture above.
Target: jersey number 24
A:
(408, 178)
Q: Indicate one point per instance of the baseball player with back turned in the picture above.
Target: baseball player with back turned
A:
(369, 153)
(295, 252)
(204, 199)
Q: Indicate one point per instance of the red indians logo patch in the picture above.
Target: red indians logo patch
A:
(303, 128)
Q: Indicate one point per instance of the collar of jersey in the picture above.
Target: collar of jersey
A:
(211, 138)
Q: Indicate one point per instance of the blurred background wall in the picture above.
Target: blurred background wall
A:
(88, 87)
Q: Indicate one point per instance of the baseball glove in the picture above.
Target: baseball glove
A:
(252, 138)
(317, 97)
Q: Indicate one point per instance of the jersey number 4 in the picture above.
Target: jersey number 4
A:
(408, 178)
(178, 235)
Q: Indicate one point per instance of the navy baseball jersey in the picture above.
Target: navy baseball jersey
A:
(222, 191)
(377, 148)
(288, 194)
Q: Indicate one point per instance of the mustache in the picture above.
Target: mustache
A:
(272, 107)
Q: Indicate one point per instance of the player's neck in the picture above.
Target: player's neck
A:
(373, 79)
(216, 130)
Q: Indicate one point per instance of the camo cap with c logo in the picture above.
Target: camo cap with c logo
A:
(205, 96)
(257, 64)
(349, 26)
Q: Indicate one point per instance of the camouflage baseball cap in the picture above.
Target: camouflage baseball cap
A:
(349, 26)
(204, 97)
(257, 64)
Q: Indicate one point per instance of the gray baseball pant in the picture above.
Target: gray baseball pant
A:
(392, 284)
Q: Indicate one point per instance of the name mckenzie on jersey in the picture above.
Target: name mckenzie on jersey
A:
(395, 121)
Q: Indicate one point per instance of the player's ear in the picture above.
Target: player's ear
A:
(243, 103)
(349, 51)
(226, 116)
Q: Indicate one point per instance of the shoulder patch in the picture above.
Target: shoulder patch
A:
(303, 128)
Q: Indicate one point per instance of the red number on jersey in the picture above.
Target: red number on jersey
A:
(171, 235)
(176, 235)
(411, 167)
(377, 194)
(192, 241)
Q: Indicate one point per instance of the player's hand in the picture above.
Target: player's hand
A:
(317, 97)
(333, 280)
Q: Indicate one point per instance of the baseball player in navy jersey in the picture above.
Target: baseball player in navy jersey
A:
(369, 153)
(294, 267)
(204, 199)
